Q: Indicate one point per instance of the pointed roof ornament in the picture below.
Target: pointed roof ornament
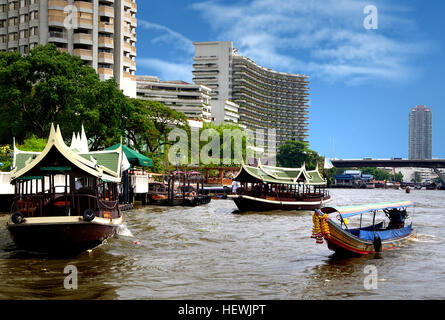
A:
(84, 141)
(259, 162)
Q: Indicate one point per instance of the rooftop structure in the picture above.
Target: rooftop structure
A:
(191, 99)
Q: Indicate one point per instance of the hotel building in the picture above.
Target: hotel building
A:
(191, 99)
(101, 32)
(267, 99)
(420, 133)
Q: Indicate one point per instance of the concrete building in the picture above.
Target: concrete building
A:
(420, 133)
(101, 32)
(225, 111)
(267, 99)
(191, 99)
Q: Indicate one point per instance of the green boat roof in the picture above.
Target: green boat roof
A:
(280, 175)
(134, 157)
(102, 164)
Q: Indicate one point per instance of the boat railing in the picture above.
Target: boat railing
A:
(41, 205)
(291, 195)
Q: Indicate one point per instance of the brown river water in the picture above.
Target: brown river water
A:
(210, 252)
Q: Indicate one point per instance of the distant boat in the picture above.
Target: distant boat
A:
(65, 201)
(332, 225)
(266, 188)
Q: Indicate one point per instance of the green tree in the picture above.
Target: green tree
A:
(41, 88)
(150, 122)
(238, 139)
(378, 174)
(49, 86)
(293, 154)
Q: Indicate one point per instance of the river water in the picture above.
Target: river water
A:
(210, 252)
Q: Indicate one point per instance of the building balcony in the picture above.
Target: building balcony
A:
(105, 71)
(57, 20)
(106, 11)
(56, 36)
(128, 75)
(105, 42)
(57, 4)
(129, 48)
(83, 6)
(83, 38)
(105, 57)
(106, 27)
(84, 54)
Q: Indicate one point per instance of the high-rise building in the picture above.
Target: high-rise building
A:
(101, 32)
(267, 99)
(191, 99)
(420, 133)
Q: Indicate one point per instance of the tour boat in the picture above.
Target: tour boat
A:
(266, 188)
(66, 200)
(332, 225)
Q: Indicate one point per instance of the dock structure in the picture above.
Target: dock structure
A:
(6, 192)
(171, 189)
(434, 164)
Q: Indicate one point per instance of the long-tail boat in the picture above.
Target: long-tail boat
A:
(265, 188)
(332, 225)
(66, 200)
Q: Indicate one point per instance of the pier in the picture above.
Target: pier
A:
(434, 164)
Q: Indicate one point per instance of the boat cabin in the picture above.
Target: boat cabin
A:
(283, 184)
(60, 181)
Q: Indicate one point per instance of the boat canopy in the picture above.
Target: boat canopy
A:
(279, 175)
(58, 157)
(134, 157)
(350, 211)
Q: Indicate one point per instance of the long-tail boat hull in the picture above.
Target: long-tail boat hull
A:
(62, 234)
(249, 203)
(363, 240)
(343, 243)
(268, 188)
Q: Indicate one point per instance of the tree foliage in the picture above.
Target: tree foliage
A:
(293, 154)
(49, 86)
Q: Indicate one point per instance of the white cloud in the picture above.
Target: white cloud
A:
(166, 70)
(169, 36)
(324, 39)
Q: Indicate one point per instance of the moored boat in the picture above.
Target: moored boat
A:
(66, 201)
(390, 233)
(266, 188)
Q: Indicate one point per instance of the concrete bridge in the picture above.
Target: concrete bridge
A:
(434, 164)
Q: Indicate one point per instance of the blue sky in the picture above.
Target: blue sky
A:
(362, 82)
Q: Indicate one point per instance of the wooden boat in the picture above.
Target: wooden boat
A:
(65, 201)
(332, 225)
(266, 188)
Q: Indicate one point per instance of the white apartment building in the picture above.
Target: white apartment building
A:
(101, 32)
(267, 99)
(191, 99)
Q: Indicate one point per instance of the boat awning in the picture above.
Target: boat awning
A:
(57, 157)
(350, 211)
(280, 175)
(134, 157)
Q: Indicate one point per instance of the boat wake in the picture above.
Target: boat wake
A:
(427, 238)
(124, 231)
